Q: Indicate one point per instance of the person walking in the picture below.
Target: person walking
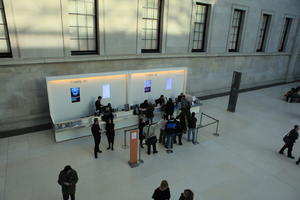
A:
(192, 127)
(67, 179)
(110, 133)
(187, 195)
(289, 141)
(97, 136)
(162, 192)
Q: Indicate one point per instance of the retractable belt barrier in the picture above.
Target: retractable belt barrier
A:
(215, 121)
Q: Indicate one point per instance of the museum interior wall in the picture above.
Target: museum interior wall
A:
(40, 46)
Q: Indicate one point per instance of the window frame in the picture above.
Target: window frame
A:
(159, 28)
(205, 30)
(283, 38)
(240, 29)
(89, 52)
(262, 47)
(9, 53)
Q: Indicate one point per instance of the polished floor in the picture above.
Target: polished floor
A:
(241, 164)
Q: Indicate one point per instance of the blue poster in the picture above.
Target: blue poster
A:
(75, 95)
(147, 86)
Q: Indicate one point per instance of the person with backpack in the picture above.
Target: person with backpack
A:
(172, 127)
(149, 132)
(289, 141)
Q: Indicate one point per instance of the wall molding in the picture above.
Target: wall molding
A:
(89, 58)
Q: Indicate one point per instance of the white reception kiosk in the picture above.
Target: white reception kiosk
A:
(72, 97)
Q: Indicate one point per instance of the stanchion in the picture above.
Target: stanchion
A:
(133, 162)
(196, 140)
(124, 146)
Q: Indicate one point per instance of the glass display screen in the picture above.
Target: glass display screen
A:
(106, 91)
(75, 95)
(147, 86)
(169, 84)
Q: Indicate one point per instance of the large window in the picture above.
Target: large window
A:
(236, 30)
(285, 32)
(5, 50)
(200, 27)
(263, 32)
(83, 26)
(152, 12)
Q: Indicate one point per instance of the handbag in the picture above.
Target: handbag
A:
(286, 138)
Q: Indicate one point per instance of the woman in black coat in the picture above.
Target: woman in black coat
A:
(110, 133)
(162, 192)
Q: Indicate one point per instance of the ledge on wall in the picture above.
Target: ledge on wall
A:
(24, 61)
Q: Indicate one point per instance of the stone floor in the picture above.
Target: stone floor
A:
(241, 164)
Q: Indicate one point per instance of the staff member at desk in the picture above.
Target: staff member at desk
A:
(97, 136)
(110, 133)
(98, 105)
(143, 107)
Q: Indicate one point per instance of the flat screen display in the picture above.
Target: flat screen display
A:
(169, 84)
(106, 91)
(75, 95)
(147, 86)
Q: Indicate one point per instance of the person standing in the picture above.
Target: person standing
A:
(170, 131)
(162, 192)
(142, 124)
(149, 112)
(289, 141)
(169, 109)
(192, 127)
(150, 136)
(110, 133)
(183, 127)
(97, 136)
(98, 105)
(162, 135)
(67, 179)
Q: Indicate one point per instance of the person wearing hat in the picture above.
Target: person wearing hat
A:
(97, 137)
(67, 179)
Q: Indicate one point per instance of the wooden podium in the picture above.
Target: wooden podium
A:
(133, 162)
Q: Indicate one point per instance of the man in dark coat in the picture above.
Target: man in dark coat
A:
(290, 140)
(97, 136)
(169, 109)
(98, 105)
(68, 179)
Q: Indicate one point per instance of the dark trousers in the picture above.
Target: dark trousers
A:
(290, 148)
(179, 138)
(162, 137)
(149, 148)
(96, 148)
(66, 196)
(110, 139)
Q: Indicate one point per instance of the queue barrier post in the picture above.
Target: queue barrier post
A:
(133, 162)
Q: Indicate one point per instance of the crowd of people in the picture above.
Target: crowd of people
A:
(68, 179)
(293, 95)
(171, 127)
